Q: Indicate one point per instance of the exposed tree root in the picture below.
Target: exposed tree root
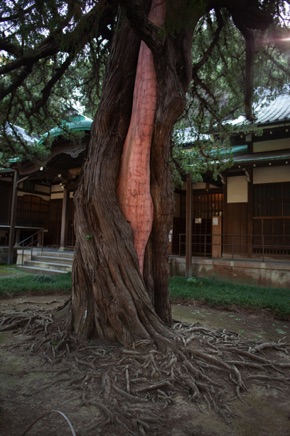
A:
(206, 368)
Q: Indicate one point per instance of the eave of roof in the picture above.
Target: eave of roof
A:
(261, 158)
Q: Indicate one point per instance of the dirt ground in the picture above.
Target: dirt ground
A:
(96, 388)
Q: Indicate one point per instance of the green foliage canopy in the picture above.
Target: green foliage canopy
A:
(53, 55)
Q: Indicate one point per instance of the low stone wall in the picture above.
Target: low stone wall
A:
(4, 255)
(265, 273)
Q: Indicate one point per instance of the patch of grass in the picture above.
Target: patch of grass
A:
(8, 270)
(221, 293)
(211, 291)
(36, 284)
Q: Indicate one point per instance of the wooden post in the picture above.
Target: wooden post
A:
(250, 215)
(12, 219)
(188, 236)
(216, 250)
(63, 219)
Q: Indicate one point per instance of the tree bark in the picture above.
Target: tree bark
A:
(110, 296)
(173, 78)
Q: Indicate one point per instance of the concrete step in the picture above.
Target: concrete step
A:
(52, 259)
(47, 261)
(55, 253)
(48, 265)
(39, 270)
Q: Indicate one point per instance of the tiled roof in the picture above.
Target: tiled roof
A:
(274, 111)
(270, 110)
(16, 132)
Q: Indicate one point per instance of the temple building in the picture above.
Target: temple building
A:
(243, 216)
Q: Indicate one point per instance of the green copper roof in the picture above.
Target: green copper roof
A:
(78, 123)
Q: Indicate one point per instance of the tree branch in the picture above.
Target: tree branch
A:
(47, 89)
(250, 12)
(16, 17)
(10, 48)
(90, 25)
(249, 73)
(20, 78)
(144, 28)
(47, 48)
(276, 63)
(247, 15)
(213, 43)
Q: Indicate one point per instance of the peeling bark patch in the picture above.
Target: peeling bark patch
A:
(134, 180)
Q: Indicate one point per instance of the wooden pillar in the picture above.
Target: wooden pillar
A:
(63, 218)
(12, 219)
(250, 214)
(188, 236)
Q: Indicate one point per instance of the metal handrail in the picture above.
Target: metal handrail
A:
(29, 242)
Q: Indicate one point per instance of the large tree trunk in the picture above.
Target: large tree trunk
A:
(173, 77)
(110, 290)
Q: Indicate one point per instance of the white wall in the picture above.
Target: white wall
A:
(272, 145)
(271, 174)
(237, 189)
(34, 194)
